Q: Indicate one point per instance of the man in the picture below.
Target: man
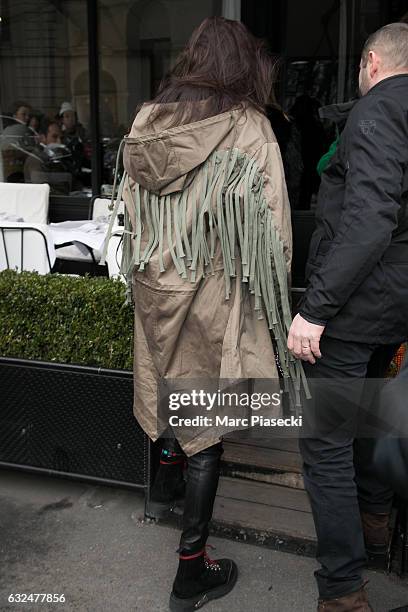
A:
(69, 122)
(50, 132)
(73, 137)
(21, 112)
(44, 165)
(13, 142)
(354, 313)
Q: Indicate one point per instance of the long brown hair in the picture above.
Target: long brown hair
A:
(224, 64)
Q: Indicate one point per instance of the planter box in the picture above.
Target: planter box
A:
(71, 421)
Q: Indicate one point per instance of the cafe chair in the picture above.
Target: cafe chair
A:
(25, 200)
(26, 247)
(74, 257)
(25, 240)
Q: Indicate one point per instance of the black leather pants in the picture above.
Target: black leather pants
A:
(203, 471)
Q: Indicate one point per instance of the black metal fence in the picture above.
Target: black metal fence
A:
(71, 421)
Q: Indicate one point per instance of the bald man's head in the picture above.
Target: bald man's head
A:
(385, 54)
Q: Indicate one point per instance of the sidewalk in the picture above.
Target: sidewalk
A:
(91, 543)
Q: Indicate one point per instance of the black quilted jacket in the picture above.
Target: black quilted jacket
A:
(357, 268)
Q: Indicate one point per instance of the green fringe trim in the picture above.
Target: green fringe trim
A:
(228, 204)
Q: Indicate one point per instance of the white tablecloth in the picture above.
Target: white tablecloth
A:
(90, 233)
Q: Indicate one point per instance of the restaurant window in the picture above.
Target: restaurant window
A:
(138, 43)
(321, 50)
(363, 18)
(44, 95)
(305, 38)
(310, 81)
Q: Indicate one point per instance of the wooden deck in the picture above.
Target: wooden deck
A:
(275, 461)
(265, 508)
(261, 496)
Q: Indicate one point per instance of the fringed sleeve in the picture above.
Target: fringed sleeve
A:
(245, 200)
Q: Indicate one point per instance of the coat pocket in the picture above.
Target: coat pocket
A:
(161, 310)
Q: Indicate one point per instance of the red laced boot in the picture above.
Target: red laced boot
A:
(200, 579)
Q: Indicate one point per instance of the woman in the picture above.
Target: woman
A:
(207, 253)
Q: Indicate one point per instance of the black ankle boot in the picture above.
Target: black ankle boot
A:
(199, 580)
(169, 486)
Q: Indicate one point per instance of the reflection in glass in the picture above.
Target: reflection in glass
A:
(138, 42)
(44, 105)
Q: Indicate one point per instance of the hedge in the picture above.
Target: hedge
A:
(65, 319)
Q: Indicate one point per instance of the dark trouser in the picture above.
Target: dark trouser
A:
(203, 472)
(338, 486)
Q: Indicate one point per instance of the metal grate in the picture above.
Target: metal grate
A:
(70, 419)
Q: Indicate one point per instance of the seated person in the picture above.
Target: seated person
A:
(21, 112)
(73, 137)
(35, 120)
(49, 162)
(71, 128)
(15, 139)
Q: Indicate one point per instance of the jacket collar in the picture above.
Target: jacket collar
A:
(389, 82)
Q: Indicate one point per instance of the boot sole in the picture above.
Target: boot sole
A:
(177, 604)
(158, 510)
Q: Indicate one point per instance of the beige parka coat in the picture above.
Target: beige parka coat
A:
(207, 253)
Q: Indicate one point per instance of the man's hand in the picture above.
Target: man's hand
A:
(304, 339)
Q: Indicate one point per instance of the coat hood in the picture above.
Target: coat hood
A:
(161, 159)
(337, 113)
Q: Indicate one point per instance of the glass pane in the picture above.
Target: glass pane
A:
(364, 18)
(322, 55)
(310, 78)
(138, 42)
(44, 103)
